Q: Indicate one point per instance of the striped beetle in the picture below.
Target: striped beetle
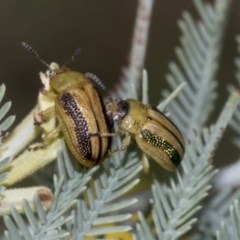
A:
(80, 111)
(155, 134)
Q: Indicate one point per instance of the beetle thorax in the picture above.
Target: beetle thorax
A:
(65, 78)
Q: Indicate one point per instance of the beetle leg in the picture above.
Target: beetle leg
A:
(47, 93)
(43, 116)
(92, 134)
(113, 153)
(126, 141)
(145, 163)
(120, 132)
(50, 135)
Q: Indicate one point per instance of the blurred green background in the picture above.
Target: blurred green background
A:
(103, 29)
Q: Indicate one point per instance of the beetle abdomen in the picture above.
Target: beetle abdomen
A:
(81, 128)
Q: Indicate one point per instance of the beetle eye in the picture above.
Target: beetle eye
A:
(122, 108)
(52, 73)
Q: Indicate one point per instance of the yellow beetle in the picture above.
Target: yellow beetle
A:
(80, 111)
(155, 134)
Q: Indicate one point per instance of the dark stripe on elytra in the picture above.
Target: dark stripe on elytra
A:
(108, 120)
(164, 145)
(109, 124)
(81, 127)
(154, 108)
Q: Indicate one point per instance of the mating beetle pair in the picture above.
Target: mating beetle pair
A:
(87, 124)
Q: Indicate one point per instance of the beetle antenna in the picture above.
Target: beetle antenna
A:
(34, 53)
(74, 56)
(99, 82)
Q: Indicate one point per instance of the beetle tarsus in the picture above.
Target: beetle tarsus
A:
(38, 118)
(37, 147)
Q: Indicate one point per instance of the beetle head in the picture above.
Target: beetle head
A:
(119, 109)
